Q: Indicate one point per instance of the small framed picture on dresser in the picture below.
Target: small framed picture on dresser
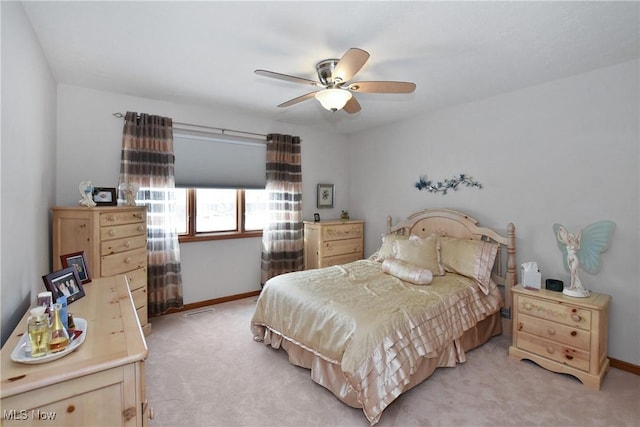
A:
(65, 282)
(105, 196)
(79, 261)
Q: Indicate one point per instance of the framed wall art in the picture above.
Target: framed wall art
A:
(79, 261)
(326, 193)
(65, 282)
(105, 196)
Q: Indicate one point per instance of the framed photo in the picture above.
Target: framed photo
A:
(77, 260)
(316, 217)
(105, 196)
(325, 195)
(64, 282)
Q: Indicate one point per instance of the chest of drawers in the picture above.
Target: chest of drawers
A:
(561, 333)
(329, 243)
(114, 240)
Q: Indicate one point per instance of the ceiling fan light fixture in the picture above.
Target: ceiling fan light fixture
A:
(333, 99)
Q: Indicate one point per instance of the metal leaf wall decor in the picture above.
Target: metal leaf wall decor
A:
(446, 185)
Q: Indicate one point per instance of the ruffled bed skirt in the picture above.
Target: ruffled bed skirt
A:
(330, 375)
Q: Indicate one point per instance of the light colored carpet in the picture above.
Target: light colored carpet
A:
(204, 369)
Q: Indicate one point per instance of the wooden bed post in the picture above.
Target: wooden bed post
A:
(511, 277)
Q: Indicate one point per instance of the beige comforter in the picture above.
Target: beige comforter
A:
(371, 324)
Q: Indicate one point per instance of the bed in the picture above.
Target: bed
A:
(372, 329)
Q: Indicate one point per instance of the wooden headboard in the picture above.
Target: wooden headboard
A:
(448, 222)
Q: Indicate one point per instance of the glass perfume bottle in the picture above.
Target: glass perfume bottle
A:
(59, 338)
(38, 328)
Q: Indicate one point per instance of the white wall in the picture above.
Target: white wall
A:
(27, 165)
(563, 152)
(89, 143)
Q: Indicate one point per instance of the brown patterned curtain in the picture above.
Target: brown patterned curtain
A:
(147, 164)
(282, 240)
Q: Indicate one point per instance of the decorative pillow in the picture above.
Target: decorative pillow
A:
(408, 272)
(424, 253)
(386, 250)
(470, 258)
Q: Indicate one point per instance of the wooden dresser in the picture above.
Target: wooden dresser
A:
(114, 240)
(561, 333)
(101, 383)
(329, 243)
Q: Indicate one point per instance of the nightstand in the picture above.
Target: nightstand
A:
(561, 333)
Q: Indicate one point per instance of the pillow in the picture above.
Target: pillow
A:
(470, 258)
(424, 253)
(408, 272)
(386, 250)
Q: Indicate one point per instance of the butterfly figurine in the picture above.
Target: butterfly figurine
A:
(582, 251)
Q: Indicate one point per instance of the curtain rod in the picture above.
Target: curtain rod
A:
(221, 130)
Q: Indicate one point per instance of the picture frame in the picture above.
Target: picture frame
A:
(316, 217)
(64, 282)
(325, 194)
(105, 196)
(79, 261)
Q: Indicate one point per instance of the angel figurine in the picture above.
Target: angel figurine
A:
(583, 251)
(86, 191)
(129, 192)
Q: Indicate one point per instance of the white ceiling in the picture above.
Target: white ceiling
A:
(204, 53)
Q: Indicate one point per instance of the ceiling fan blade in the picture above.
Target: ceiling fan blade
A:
(287, 77)
(298, 99)
(382, 87)
(350, 63)
(352, 106)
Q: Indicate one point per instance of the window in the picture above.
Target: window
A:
(219, 213)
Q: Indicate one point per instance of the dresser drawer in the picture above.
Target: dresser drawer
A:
(120, 231)
(121, 245)
(340, 259)
(143, 317)
(79, 402)
(123, 262)
(555, 351)
(567, 335)
(561, 313)
(136, 278)
(341, 231)
(119, 218)
(341, 247)
(139, 298)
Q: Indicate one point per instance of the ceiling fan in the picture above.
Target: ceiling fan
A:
(334, 76)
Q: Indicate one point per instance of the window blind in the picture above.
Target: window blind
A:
(211, 160)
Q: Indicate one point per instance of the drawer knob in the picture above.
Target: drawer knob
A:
(568, 356)
(528, 306)
(127, 260)
(551, 331)
(574, 333)
(112, 232)
(71, 408)
(127, 244)
(139, 216)
(576, 317)
(550, 350)
(141, 228)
